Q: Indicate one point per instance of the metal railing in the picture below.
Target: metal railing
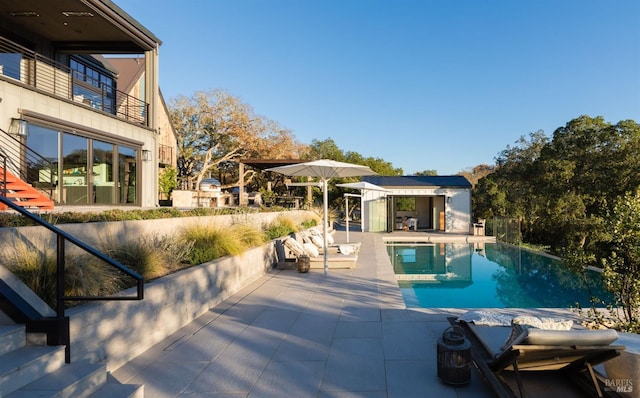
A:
(62, 322)
(55, 78)
(165, 154)
(27, 164)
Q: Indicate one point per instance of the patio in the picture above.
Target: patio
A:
(306, 335)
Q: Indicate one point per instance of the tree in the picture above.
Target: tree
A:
(619, 258)
(588, 165)
(325, 149)
(622, 264)
(476, 174)
(427, 173)
(561, 189)
(167, 181)
(508, 190)
(215, 129)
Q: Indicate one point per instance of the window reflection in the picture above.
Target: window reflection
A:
(127, 174)
(113, 168)
(103, 181)
(75, 180)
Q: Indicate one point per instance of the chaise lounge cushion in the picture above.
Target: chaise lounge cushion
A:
(311, 249)
(520, 324)
(567, 337)
(295, 247)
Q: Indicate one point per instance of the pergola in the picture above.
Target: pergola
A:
(260, 164)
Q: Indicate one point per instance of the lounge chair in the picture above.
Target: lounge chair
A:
(314, 236)
(572, 352)
(316, 260)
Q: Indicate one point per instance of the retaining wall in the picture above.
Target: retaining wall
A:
(115, 332)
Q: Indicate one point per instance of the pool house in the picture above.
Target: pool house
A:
(429, 203)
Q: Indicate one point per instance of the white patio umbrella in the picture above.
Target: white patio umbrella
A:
(362, 186)
(324, 169)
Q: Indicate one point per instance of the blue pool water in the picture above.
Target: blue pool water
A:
(489, 275)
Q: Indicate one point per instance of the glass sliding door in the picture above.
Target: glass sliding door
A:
(103, 180)
(127, 178)
(81, 170)
(75, 178)
(44, 142)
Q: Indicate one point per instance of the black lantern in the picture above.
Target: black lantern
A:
(454, 356)
(304, 263)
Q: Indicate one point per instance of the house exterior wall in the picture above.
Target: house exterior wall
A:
(166, 135)
(17, 100)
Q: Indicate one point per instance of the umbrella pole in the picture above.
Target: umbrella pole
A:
(346, 209)
(325, 221)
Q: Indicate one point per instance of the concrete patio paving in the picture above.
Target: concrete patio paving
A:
(294, 334)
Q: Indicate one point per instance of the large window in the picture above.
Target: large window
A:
(91, 171)
(92, 86)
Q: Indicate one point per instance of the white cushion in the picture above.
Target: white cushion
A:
(330, 239)
(486, 318)
(311, 249)
(346, 248)
(317, 240)
(520, 325)
(295, 247)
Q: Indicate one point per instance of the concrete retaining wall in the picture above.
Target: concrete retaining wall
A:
(117, 331)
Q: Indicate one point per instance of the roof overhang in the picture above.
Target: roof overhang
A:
(77, 26)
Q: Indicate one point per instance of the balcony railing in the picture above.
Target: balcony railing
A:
(165, 154)
(57, 79)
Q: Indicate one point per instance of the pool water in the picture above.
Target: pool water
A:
(487, 275)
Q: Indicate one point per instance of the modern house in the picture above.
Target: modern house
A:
(438, 203)
(77, 125)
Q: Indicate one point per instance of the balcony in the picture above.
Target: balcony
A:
(165, 154)
(51, 77)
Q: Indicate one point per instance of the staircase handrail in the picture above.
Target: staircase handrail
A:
(30, 156)
(61, 238)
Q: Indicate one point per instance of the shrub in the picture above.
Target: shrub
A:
(84, 275)
(150, 256)
(309, 223)
(211, 242)
(281, 226)
(250, 236)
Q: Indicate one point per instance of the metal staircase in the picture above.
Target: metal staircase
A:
(22, 193)
(26, 177)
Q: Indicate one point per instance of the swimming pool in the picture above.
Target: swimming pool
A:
(486, 275)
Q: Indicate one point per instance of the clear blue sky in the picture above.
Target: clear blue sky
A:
(443, 85)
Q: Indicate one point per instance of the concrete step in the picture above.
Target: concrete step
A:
(12, 337)
(115, 389)
(27, 364)
(74, 380)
